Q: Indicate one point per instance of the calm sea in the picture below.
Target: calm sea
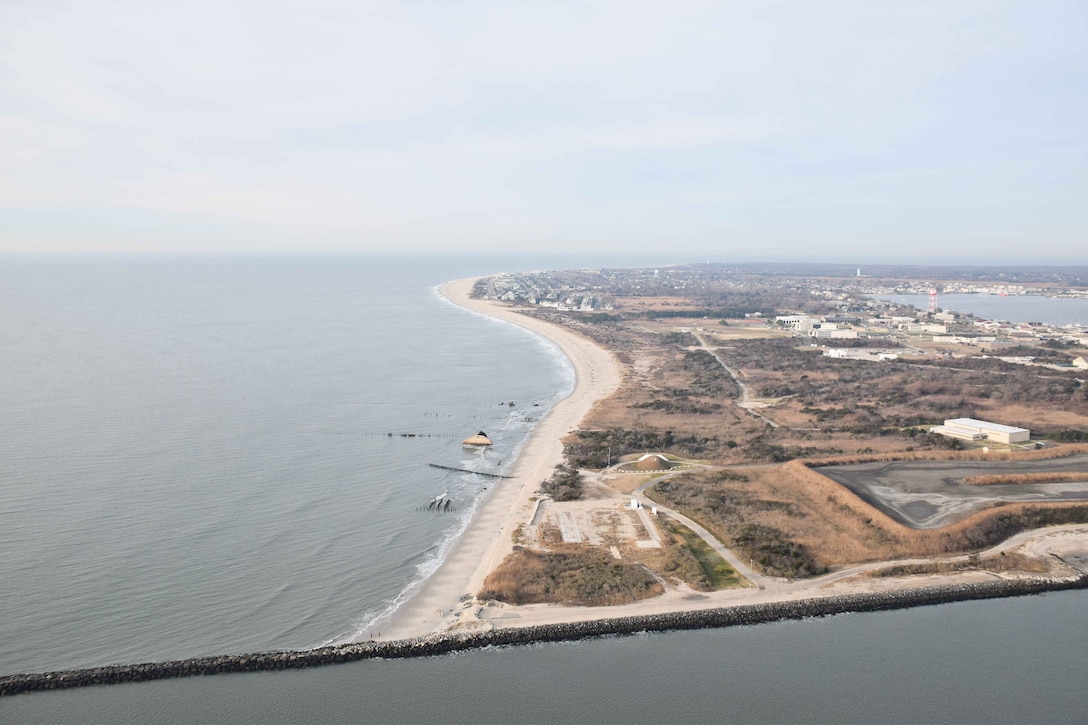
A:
(1013, 308)
(208, 456)
(204, 456)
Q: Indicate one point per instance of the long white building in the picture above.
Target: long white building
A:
(972, 429)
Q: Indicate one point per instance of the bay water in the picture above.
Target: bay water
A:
(216, 456)
(1011, 308)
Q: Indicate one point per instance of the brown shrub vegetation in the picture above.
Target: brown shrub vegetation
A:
(565, 484)
(826, 406)
(967, 455)
(570, 575)
(753, 519)
(1000, 563)
(990, 527)
(993, 479)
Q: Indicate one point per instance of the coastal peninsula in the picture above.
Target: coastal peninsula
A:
(740, 500)
(454, 599)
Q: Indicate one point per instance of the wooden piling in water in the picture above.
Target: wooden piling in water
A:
(465, 470)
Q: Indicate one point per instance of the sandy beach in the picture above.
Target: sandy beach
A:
(440, 602)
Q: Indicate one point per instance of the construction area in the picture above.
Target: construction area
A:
(614, 523)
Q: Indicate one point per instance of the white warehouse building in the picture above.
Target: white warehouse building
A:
(833, 333)
(976, 430)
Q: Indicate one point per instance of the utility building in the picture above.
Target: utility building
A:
(976, 430)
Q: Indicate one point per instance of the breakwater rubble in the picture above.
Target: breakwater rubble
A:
(439, 644)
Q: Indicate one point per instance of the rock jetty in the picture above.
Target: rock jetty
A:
(440, 644)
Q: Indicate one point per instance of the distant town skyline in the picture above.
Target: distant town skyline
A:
(922, 132)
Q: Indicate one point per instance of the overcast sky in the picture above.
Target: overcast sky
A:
(910, 131)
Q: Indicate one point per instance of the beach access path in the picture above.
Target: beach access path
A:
(440, 601)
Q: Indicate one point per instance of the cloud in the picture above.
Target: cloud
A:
(548, 123)
(23, 139)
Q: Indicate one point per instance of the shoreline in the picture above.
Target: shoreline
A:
(444, 599)
(438, 618)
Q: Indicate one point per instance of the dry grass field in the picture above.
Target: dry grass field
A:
(571, 575)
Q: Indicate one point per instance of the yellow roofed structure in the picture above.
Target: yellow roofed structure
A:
(480, 440)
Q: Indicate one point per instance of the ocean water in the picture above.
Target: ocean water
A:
(195, 459)
(222, 456)
(1013, 308)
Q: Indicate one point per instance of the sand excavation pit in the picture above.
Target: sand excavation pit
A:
(931, 494)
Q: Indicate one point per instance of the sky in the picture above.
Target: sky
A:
(860, 131)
